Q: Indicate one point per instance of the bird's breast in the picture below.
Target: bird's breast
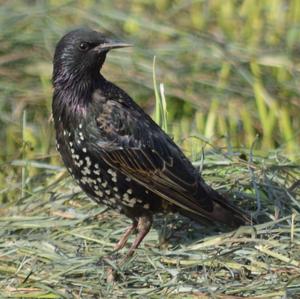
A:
(100, 181)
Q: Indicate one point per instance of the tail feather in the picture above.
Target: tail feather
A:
(223, 212)
(226, 212)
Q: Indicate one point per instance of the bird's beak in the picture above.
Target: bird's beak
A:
(110, 44)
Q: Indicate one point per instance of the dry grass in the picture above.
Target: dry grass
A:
(55, 242)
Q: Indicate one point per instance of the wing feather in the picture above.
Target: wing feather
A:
(130, 142)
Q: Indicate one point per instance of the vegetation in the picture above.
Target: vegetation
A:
(225, 85)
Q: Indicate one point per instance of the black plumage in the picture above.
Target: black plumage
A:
(117, 154)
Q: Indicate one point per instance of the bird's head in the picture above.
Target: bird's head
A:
(81, 53)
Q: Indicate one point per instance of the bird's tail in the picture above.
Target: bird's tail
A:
(226, 212)
(223, 212)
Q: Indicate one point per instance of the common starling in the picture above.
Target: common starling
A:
(116, 153)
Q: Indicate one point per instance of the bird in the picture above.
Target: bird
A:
(114, 150)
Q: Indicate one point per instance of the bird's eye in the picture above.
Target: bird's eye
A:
(84, 46)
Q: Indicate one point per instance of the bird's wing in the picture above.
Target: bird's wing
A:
(129, 141)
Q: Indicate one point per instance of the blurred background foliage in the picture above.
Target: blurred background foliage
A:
(230, 71)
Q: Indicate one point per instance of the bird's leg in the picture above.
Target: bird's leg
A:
(143, 227)
(122, 242)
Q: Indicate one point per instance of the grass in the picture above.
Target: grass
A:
(225, 85)
(55, 241)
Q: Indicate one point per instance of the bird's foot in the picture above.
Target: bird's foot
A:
(143, 226)
(110, 259)
(111, 275)
(111, 265)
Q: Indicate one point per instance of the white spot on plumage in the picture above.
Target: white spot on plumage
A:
(112, 200)
(125, 197)
(129, 191)
(97, 172)
(127, 179)
(99, 193)
(96, 166)
(81, 136)
(130, 202)
(104, 184)
(92, 181)
(113, 175)
(80, 126)
(85, 171)
(79, 163)
(84, 180)
(88, 161)
(107, 191)
(84, 149)
(115, 189)
(146, 206)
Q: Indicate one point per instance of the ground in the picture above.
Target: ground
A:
(56, 242)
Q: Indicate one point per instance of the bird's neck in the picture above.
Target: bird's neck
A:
(72, 96)
(75, 81)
